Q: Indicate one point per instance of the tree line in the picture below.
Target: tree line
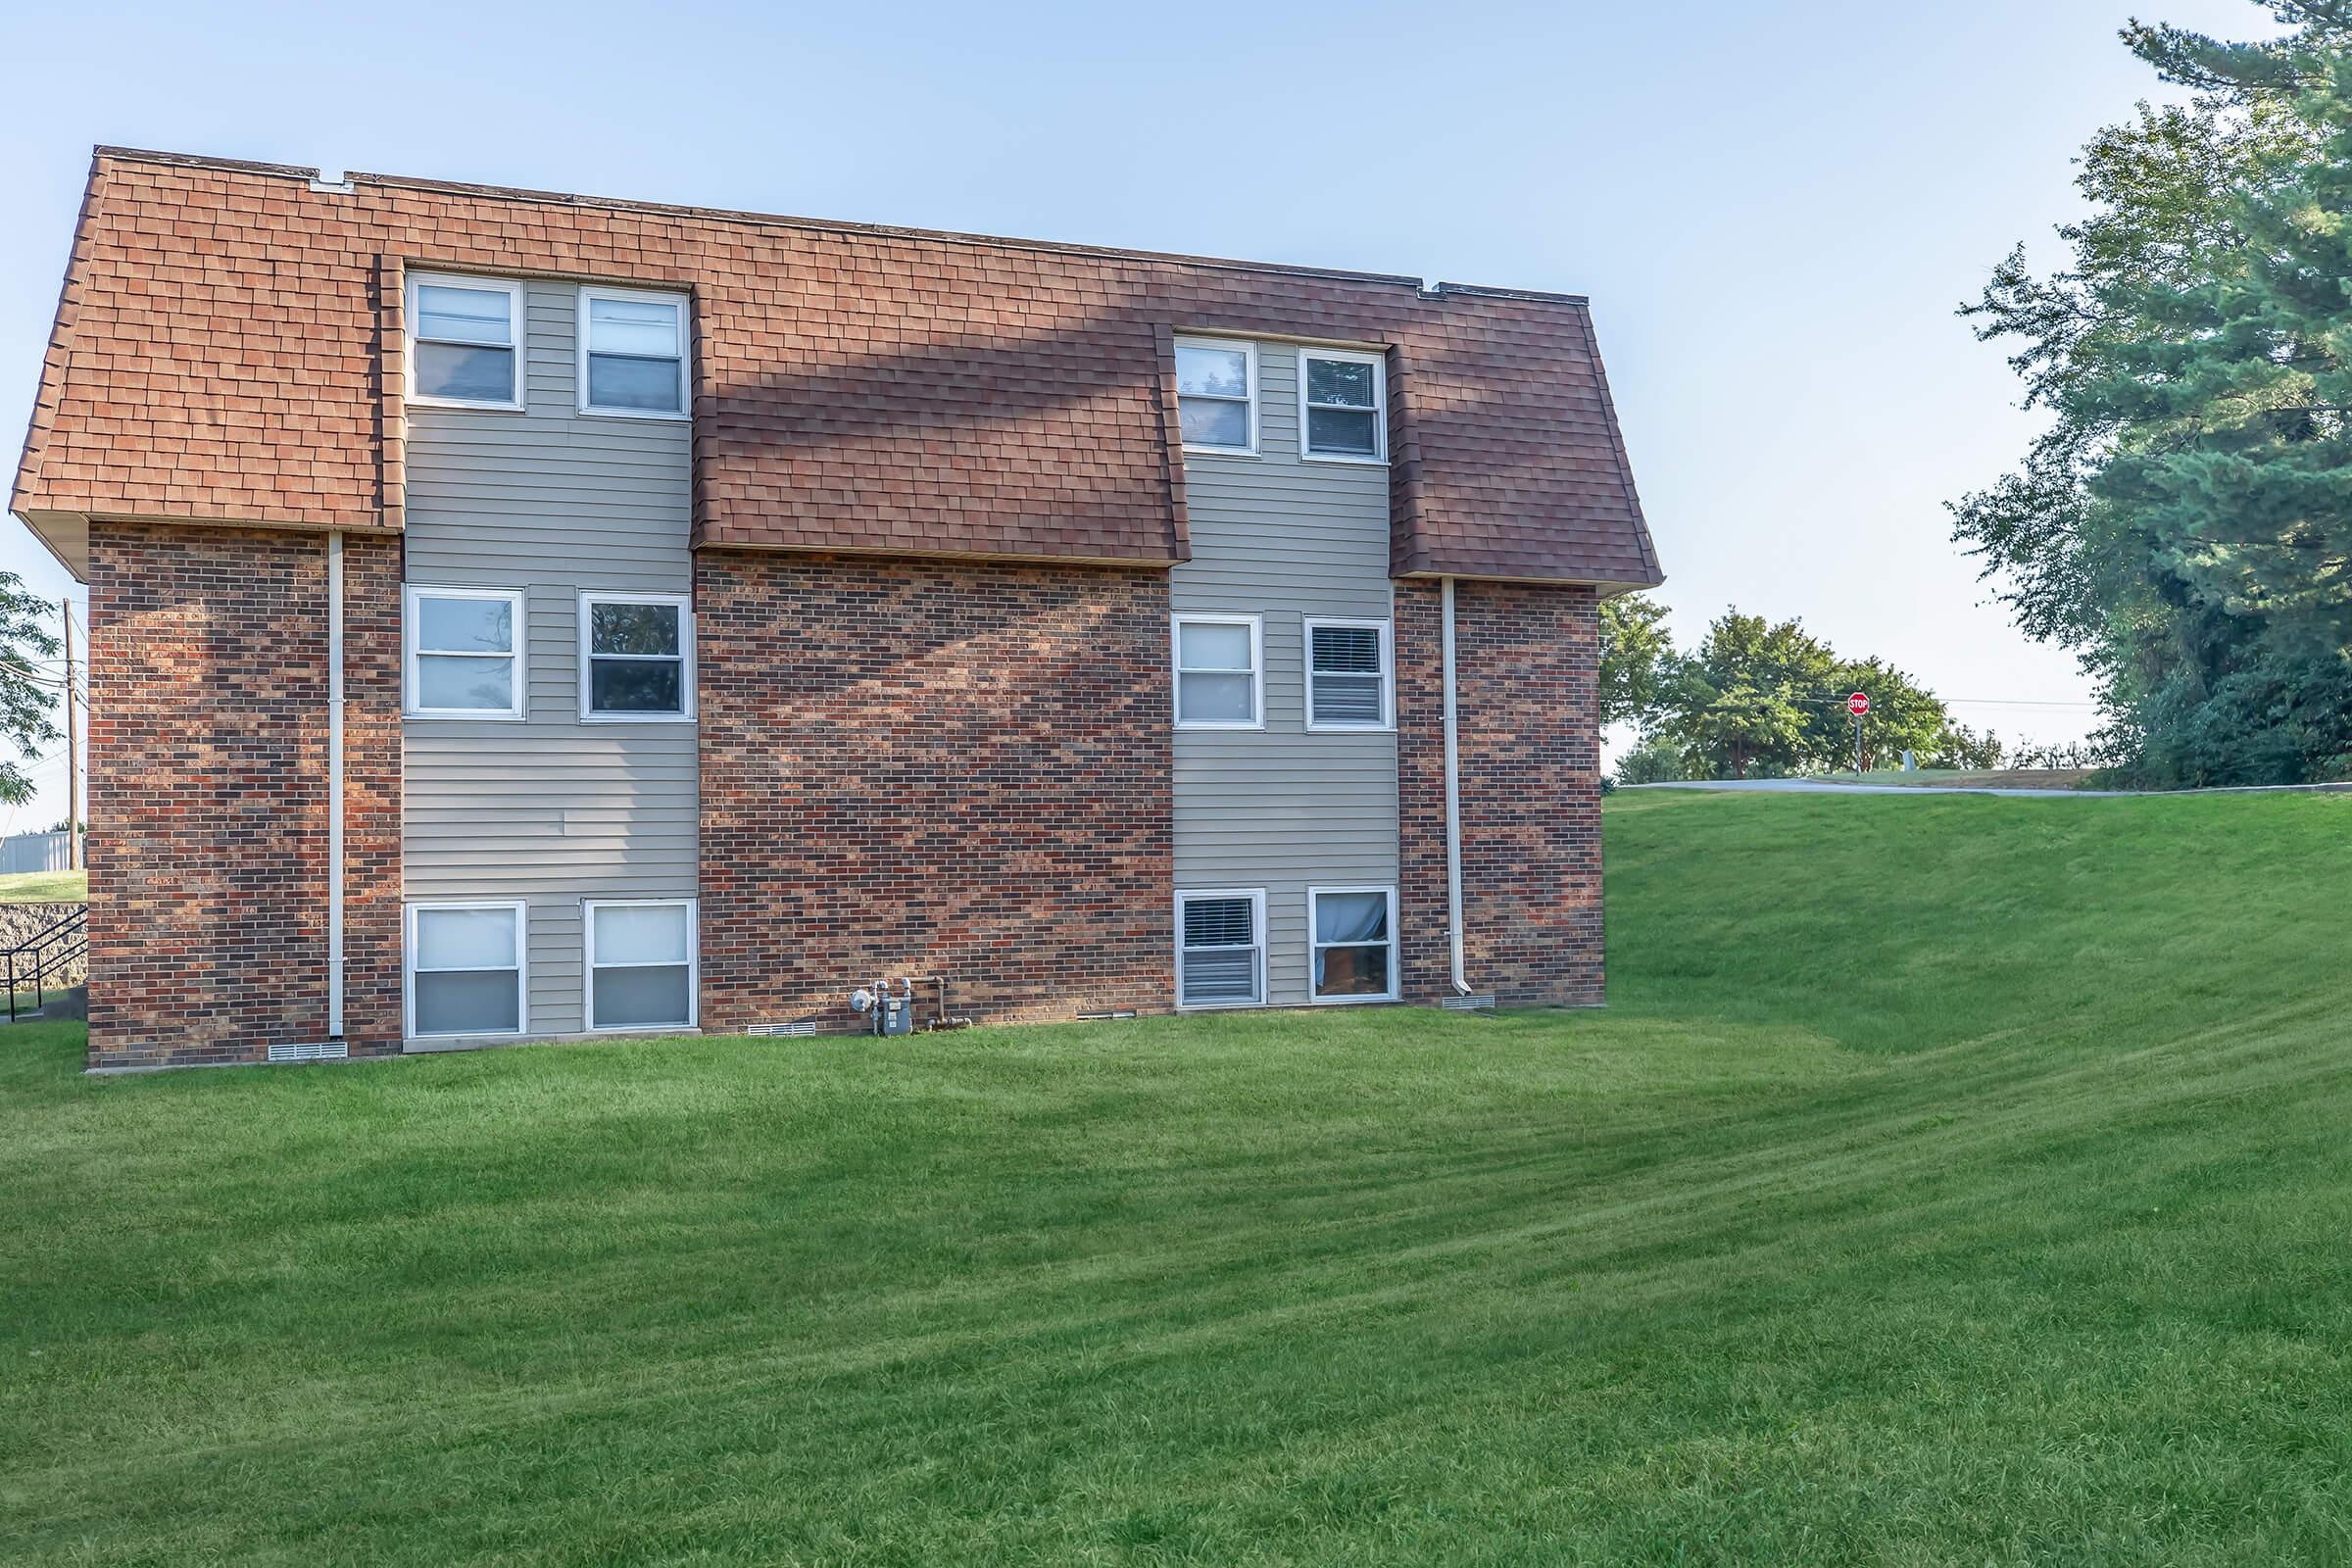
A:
(2184, 522)
(1758, 700)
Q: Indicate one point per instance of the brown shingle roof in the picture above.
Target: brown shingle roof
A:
(225, 349)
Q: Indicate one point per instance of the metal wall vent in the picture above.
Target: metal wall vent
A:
(1468, 1004)
(798, 1027)
(314, 1050)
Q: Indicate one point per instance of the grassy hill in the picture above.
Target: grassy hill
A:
(45, 887)
(1950, 1181)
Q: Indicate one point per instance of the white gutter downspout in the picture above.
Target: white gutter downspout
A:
(1453, 805)
(334, 786)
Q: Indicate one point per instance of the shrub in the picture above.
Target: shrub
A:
(1652, 763)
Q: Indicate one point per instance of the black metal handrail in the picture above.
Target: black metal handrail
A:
(48, 951)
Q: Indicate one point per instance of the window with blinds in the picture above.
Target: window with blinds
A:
(1348, 676)
(463, 338)
(1343, 405)
(1221, 960)
(632, 347)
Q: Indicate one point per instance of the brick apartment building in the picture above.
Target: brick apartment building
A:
(520, 615)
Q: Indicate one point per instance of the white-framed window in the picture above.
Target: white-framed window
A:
(1221, 947)
(633, 353)
(1343, 405)
(1350, 684)
(1353, 931)
(641, 963)
(464, 341)
(636, 657)
(1220, 672)
(1216, 394)
(467, 968)
(464, 652)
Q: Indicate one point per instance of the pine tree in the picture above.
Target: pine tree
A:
(2185, 522)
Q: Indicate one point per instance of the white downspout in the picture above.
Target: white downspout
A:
(1453, 805)
(334, 786)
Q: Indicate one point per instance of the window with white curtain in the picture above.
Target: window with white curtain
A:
(1221, 954)
(1219, 673)
(633, 353)
(1354, 933)
(464, 341)
(1348, 676)
(641, 964)
(1216, 394)
(463, 648)
(465, 968)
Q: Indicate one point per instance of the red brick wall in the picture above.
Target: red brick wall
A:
(373, 1020)
(1527, 705)
(911, 767)
(209, 794)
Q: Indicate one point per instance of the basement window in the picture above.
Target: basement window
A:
(465, 968)
(1219, 671)
(464, 651)
(633, 353)
(1348, 684)
(464, 334)
(1221, 957)
(1354, 943)
(636, 657)
(1215, 398)
(1343, 405)
(641, 964)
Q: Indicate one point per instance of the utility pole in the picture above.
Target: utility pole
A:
(73, 752)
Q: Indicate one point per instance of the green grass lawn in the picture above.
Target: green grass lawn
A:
(1952, 1180)
(45, 887)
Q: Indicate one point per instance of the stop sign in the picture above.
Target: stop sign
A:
(1858, 704)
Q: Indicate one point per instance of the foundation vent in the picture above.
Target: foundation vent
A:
(314, 1051)
(798, 1028)
(1468, 1004)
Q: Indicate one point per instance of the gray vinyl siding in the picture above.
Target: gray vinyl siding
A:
(549, 810)
(1284, 809)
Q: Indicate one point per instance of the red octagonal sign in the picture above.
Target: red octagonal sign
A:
(1858, 704)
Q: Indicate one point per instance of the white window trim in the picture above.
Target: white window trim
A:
(410, 625)
(517, 330)
(588, 965)
(1258, 668)
(1388, 674)
(1380, 407)
(684, 604)
(1247, 348)
(522, 968)
(670, 297)
(1395, 948)
(1258, 917)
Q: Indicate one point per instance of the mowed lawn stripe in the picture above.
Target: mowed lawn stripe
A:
(1742, 1269)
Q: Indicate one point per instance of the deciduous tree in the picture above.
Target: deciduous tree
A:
(29, 688)
(1637, 660)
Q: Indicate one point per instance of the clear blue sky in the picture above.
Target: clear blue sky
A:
(1774, 209)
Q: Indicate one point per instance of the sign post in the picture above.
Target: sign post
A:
(1858, 705)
